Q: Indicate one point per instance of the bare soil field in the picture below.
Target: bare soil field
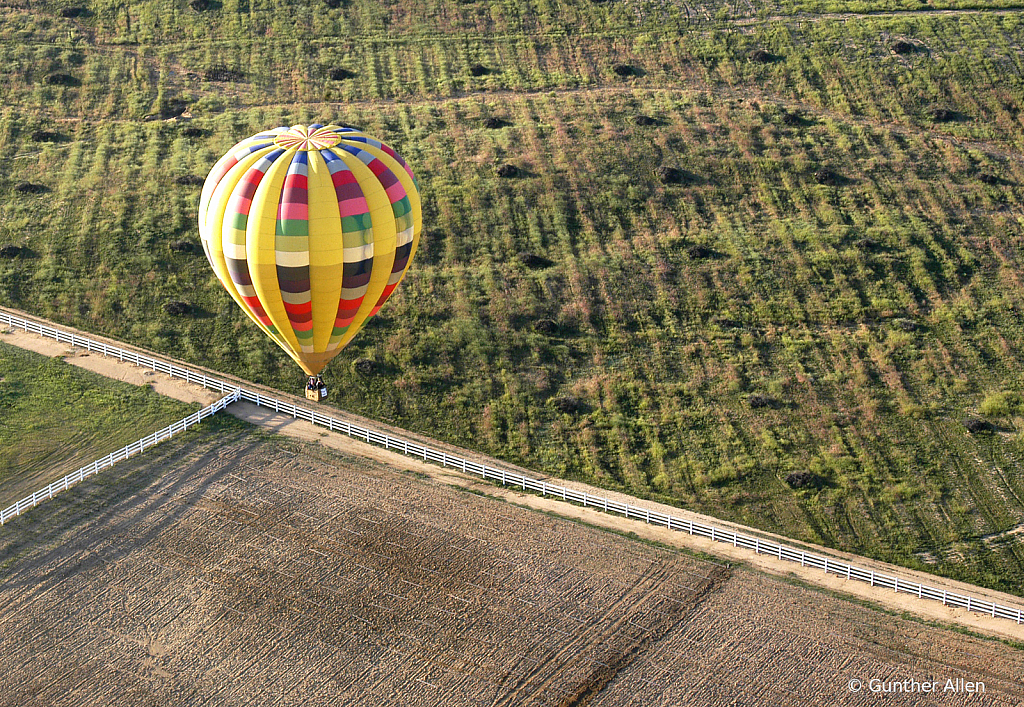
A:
(228, 568)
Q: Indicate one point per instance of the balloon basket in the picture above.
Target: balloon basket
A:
(316, 394)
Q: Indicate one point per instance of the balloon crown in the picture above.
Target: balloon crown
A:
(313, 137)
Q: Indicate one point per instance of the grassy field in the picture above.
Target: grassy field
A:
(55, 417)
(831, 283)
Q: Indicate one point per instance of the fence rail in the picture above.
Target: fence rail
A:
(130, 450)
(507, 478)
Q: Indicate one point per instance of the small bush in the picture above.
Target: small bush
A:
(46, 136)
(792, 118)
(365, 366)
(177, 308)
(200, 5)
(761, 56)
(172, 108)
(10, 251)
(800, 479)
(625, 70)
(907, 325)
(192, 131)
(699, 252)
(566, 404)
(479, 70)
(189, 180)
(546, 326)
(533, 261)
(975, 425)
(184, 247)
(1002, 404)
(941, 114)
(340, 74)
(903, 47)
(758, 401)
(495, 123)
(674, 175)
(507, 170)
(75, 12)
(644, 120)
(990, 179)
(866, 243)
(222, 74)
(335, 4)
(30, 188)
(61, 80)
(829, 177)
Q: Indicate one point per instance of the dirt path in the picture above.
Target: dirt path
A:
(301, 430)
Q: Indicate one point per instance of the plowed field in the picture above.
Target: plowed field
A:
(225, 568)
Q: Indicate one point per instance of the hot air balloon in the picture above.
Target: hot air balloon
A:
(310, 230)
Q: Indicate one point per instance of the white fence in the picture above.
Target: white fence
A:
(506, 478)
(16, 509)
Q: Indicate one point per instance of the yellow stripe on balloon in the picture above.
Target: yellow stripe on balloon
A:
(410, 191)
(261, 250)
(212, 229)
(326, 250)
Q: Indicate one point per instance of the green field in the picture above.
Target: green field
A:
(55, 418)
(833, 286)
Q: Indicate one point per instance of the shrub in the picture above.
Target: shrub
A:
(644, 120)
(507, 170)
(625, 70)
(533, 261)
(74, 12)
(200, 5)
(903, 47)
(365, 366)
(761, 56)
(340, 74)
(699, 252)
(1001, 404)
(177, 308)
(30, 188)
(758, 401)
(975, 425)
(10, 251)
(546, 326)
(674, 175)
(866, 243)
(173, 107)
(829, 177)
(184, 247)
(61, 80)
(792, 118)
(567, 404)
(800, 479)
(495, 123)
(222, 74)
(479, 70)
(192, 131)
(941, 114)
(46, 136)
(189, 180)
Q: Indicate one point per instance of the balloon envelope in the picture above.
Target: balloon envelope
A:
(310, 229)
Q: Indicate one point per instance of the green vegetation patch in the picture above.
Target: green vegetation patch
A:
(764, 263)
(55, 417)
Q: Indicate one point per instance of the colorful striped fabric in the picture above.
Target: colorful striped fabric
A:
(310, 229)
